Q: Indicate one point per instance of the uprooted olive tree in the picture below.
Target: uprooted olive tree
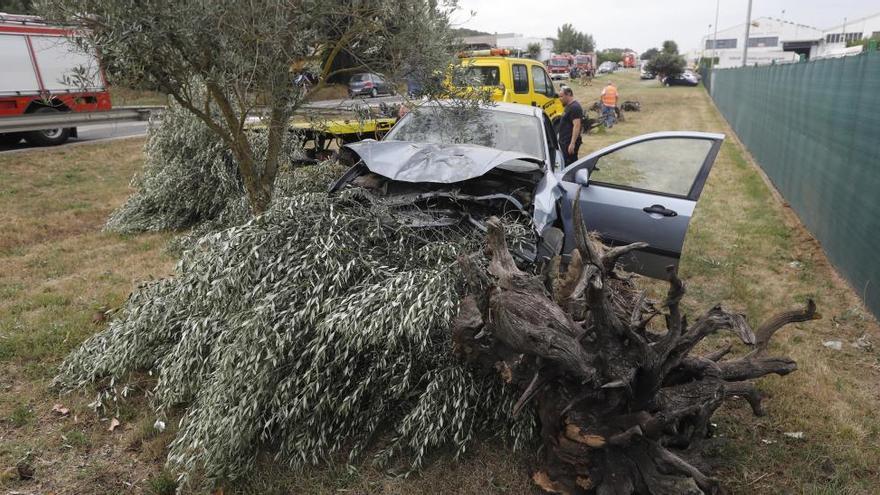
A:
(622, 407)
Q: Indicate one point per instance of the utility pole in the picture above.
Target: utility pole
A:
(715, 39)
(748, 27)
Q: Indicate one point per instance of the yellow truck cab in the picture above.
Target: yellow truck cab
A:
(513, 80)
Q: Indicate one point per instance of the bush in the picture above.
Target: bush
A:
(314, 329)
(190, 177)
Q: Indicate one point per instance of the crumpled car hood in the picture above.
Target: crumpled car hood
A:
(441, 163)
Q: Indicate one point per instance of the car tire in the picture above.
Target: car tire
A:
(47, 137)
(374, 93)
(10, 139)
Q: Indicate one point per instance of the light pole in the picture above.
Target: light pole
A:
(703, 53)
(715, 38)
(748, 27)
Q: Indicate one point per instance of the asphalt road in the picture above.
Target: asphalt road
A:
(103, 132)
(91, 133)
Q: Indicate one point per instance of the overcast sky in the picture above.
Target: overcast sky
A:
(641, 24)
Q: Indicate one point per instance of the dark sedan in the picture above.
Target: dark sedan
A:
(685, 79)
(368, 83)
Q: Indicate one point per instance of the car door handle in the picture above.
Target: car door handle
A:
(534, 103)
(660, 210)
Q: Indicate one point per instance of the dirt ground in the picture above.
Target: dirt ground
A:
(745, 249)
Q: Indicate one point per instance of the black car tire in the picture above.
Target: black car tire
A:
(374, 93)
(47, 137)
(10, 139)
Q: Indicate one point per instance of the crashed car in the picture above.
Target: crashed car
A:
(504, 159)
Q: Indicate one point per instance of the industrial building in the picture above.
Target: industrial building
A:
(517, 43)
(773, 40)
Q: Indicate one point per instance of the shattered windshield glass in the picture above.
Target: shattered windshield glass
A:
(494, 129)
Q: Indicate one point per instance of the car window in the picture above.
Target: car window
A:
(501, 130)
(668, 166)
(358, 77)
(480, 76)
(377, 79)
(520, 79)
(538, 80)
(548, 83)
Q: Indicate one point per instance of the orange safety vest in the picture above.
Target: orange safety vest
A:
(609, 98)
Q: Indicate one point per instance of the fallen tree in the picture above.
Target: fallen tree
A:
(622, 407)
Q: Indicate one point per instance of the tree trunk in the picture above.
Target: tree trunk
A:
(623, 409)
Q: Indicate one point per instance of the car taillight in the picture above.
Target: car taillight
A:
(368, 84)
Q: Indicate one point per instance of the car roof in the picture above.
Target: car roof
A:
(496, 106)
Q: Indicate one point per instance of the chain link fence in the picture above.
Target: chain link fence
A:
(814, 128)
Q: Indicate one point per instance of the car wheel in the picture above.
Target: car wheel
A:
(10, 139)
(374, 93)
(47, 137)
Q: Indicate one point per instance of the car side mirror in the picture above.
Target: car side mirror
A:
(582, 177)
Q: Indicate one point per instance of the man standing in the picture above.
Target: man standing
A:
(609, 103)
(570, 126)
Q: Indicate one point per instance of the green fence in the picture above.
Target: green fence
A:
(814, 127)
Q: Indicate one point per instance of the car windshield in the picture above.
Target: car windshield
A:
(478, 76)
(494, 129)
(559, 62)
(582, 60)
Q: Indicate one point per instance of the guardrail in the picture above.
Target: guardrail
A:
(39, 121)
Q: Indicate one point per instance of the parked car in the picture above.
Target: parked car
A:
(368, 83)
(607, 67)
(438, 170)
(646, 74)
(681, 80)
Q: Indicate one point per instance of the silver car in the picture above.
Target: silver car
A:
(504, 159)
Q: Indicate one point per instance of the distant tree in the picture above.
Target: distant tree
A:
(240, 57)
(649, 54)
(461, 32)
(670, 47)
(610, 55)
(17, 6)
(568, 39)
(533, 50)
(666, 65)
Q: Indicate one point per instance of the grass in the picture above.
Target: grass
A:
(744, 249)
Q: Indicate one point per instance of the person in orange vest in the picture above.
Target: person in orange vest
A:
(609, 103)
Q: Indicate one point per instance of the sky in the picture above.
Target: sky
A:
(641, 24)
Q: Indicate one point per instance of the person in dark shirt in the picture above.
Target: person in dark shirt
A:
(570, 126)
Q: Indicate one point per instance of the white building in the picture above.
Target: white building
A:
(516, 43)
(771, 40)
(774, 40)
(834, 39)
(520, 43)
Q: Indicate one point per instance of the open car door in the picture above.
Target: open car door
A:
(642, 189)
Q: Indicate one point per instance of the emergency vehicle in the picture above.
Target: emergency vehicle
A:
(560, 65)
(512, 80)
(585, 61)
(44, 72)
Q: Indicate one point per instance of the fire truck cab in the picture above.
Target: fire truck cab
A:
(512, 80)
(44, 72)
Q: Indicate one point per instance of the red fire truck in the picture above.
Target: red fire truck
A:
(44, 72)
(585, 61)
(560, 65)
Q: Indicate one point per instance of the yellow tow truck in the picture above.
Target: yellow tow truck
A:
(320, 138)
(512, 80)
